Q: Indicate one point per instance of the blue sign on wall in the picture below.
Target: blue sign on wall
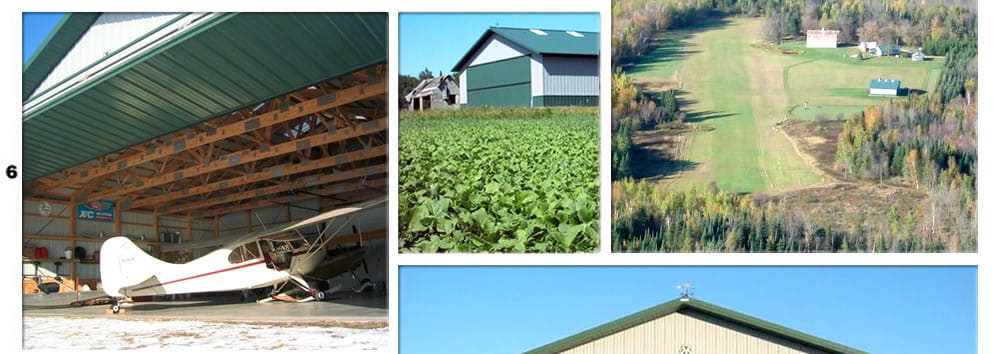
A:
(101, 210)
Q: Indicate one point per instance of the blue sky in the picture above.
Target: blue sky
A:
(438, 41)
(35, 27)
(885, 310)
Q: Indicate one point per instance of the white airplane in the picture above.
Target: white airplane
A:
(281, 256)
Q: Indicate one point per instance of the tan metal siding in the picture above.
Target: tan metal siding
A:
(702, 334)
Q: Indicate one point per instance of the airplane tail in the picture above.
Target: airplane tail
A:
(123, 265)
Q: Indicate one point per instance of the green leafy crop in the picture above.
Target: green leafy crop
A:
(499, 181)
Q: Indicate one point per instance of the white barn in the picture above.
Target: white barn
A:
(822, 38)
(883, 87)
(689, 326)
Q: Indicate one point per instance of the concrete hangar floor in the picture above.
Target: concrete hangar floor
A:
(344, 321)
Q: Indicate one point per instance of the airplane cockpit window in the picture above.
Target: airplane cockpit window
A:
(244, 252)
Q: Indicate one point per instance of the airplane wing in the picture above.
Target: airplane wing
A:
(333, 214)
(276, 230)
(206, 243)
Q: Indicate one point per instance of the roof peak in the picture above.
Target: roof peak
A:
(689, 304)
(541, 29)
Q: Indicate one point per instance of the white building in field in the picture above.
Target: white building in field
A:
(883, 87)
(822, 38)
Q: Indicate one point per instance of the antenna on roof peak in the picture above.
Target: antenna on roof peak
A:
(686, 290)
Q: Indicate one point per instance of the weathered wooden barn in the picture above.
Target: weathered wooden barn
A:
(433, 93)
(530, 67)
(690, 326)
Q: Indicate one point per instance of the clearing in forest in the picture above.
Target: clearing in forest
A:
(741, 88)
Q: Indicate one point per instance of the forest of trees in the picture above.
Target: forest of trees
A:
(652, 218)
(937, 26)
(925, 146)
(633, 110)
(407, 83)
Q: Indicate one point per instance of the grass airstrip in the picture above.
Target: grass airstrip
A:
(741, 88)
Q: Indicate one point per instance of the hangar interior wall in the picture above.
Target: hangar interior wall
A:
(54, 233)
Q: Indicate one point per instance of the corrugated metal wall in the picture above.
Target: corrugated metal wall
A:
(109, 32)
(571, 76)
(138, 226)
(375, 256)
(701, 333)
(501, 83)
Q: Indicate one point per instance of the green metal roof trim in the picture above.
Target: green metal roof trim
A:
(216, 67)
(64, 35)
(677, 305)
(553, 42)
(884, 84)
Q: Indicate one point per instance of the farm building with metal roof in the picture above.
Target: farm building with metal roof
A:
(883, 87)
(690, 326)
(530, 67)
(189, 126)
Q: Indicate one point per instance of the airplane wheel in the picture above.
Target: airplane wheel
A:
(115, 308)
(319, 295)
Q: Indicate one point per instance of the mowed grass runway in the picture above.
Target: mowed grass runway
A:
(742, 91)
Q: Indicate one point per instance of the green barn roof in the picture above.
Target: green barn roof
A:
(63, 37)
(689, 304)
(541, 41)
(219, 64)
(884, 84)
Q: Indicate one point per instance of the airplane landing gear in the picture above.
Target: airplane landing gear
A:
(115, 306)
(317, 294)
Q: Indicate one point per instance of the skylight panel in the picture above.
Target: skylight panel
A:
(574, 34)
(539, 32)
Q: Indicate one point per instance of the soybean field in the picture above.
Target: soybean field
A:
(499, 180)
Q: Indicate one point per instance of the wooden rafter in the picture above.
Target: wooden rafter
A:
(183, 143)
(272, 190)
(348, 198)
(248, 156)
(264, 175)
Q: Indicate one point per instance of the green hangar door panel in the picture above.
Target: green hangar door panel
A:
(500, 83)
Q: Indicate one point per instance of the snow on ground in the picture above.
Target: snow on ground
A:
(98, 333)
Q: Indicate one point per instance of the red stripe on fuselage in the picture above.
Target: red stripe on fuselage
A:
(201, 275)
(210, 273)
